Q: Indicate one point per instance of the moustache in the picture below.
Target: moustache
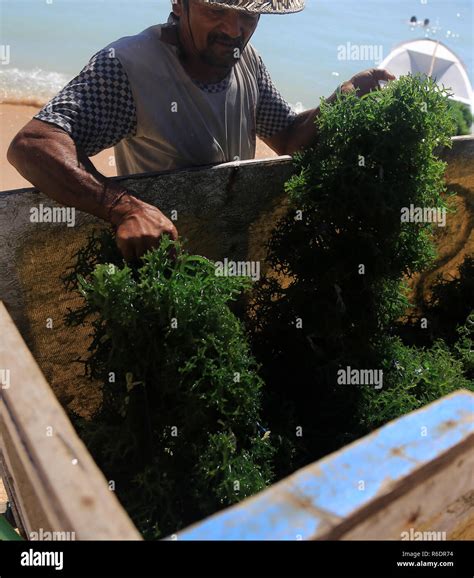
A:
(231, 43)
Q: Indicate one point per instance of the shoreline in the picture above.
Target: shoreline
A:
(13, 116)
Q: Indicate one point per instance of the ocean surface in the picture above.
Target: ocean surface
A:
(45, 43)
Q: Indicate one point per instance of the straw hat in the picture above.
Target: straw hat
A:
(262, 6)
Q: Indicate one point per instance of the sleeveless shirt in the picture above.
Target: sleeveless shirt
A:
(178, 124)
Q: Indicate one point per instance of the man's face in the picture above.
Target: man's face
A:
(218, 34)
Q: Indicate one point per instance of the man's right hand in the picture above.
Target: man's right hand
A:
(139, 226)
(47, 156)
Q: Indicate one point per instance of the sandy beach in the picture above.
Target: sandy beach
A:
(13, 117)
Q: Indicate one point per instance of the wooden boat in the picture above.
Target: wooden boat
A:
(435, 59)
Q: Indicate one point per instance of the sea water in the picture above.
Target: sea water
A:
(45, 43)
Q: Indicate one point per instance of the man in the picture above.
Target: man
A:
(190, 92)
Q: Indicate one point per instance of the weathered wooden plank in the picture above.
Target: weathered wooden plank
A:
(460, 159)
(404, 477)
(57, 486)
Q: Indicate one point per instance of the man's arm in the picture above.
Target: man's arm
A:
(303, 131)
(300, 134)
(93, 112)
(47, 156)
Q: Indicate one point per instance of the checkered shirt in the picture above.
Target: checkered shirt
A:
(97, 107)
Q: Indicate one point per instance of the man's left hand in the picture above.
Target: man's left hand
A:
(366, 81)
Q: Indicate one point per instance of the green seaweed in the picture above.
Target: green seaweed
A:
(172, 358)
(178, 431)
(346, 252)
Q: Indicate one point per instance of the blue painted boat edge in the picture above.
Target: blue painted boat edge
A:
(316, 499)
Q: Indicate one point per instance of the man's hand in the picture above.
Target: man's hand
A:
(139, 227)
(366, 81)
(303, 131)
(47, 156)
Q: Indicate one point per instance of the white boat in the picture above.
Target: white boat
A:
(434, 59)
